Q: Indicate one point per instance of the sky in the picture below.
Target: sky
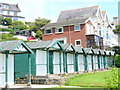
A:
(50, 9)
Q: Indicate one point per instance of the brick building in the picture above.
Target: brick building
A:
(79, 32)
(82, 27)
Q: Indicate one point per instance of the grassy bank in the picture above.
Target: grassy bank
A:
(96, 79)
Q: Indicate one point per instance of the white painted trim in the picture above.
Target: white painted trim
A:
(59, 39)
(11, 69)
(79, 27)
(58, 28)
(48, 33)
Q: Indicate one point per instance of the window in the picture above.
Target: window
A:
(49, 31)
(78, 42)
(4, 6)
(77, 28)
(59, 30)
(15, 13)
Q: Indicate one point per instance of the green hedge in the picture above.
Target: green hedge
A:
(117, 61)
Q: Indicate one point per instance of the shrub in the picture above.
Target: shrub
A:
(7, 21)
(117, 60)
(112, 82)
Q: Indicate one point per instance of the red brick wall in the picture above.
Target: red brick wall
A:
(70, 35)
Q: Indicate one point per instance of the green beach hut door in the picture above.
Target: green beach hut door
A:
(51, 62)
(21, 65)
(76, 62)
(85, 62)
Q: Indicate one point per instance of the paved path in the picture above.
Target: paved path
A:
(33, 86)
(24, 86)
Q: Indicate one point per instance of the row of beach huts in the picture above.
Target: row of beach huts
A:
(19, 59)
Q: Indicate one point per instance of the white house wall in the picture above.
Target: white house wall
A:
(2, 70)
(80, 62)
(11, 69)
(70, 62)
(41, 62)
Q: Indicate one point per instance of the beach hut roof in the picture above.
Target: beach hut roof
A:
(45, 44)
(15, 46)
(68, 47)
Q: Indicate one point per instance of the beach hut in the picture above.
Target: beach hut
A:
(68, 58)
(112, 58)
(49, 57)
(87, 59)
(102, 59)
(107, 58)
(96, 59)
(79, 59)
(8, 49)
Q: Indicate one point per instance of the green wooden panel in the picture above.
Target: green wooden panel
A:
(76, 62)
(60, 61)
(22, 65)
(99, 62)
(85, 62)
(104, 61)
(92, 62)
(65, 62)
(51, 62)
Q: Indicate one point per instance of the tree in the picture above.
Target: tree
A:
(7, 21)
(1, 19)
(117, 61)
(31, 25)
(6, 37)
(117, 32)
(18, 25)
(39, 22)
(38, 34)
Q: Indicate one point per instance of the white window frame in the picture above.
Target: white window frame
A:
(60, 39)
(57, 29)
(79, 28)
(47, 33)
(76, 43)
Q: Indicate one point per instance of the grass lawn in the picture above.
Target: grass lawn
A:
(96, 79)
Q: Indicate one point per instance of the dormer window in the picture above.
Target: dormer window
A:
(59, 30)
(77, 28)
(48, 31)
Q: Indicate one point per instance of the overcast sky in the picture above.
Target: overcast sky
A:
(50, 9)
